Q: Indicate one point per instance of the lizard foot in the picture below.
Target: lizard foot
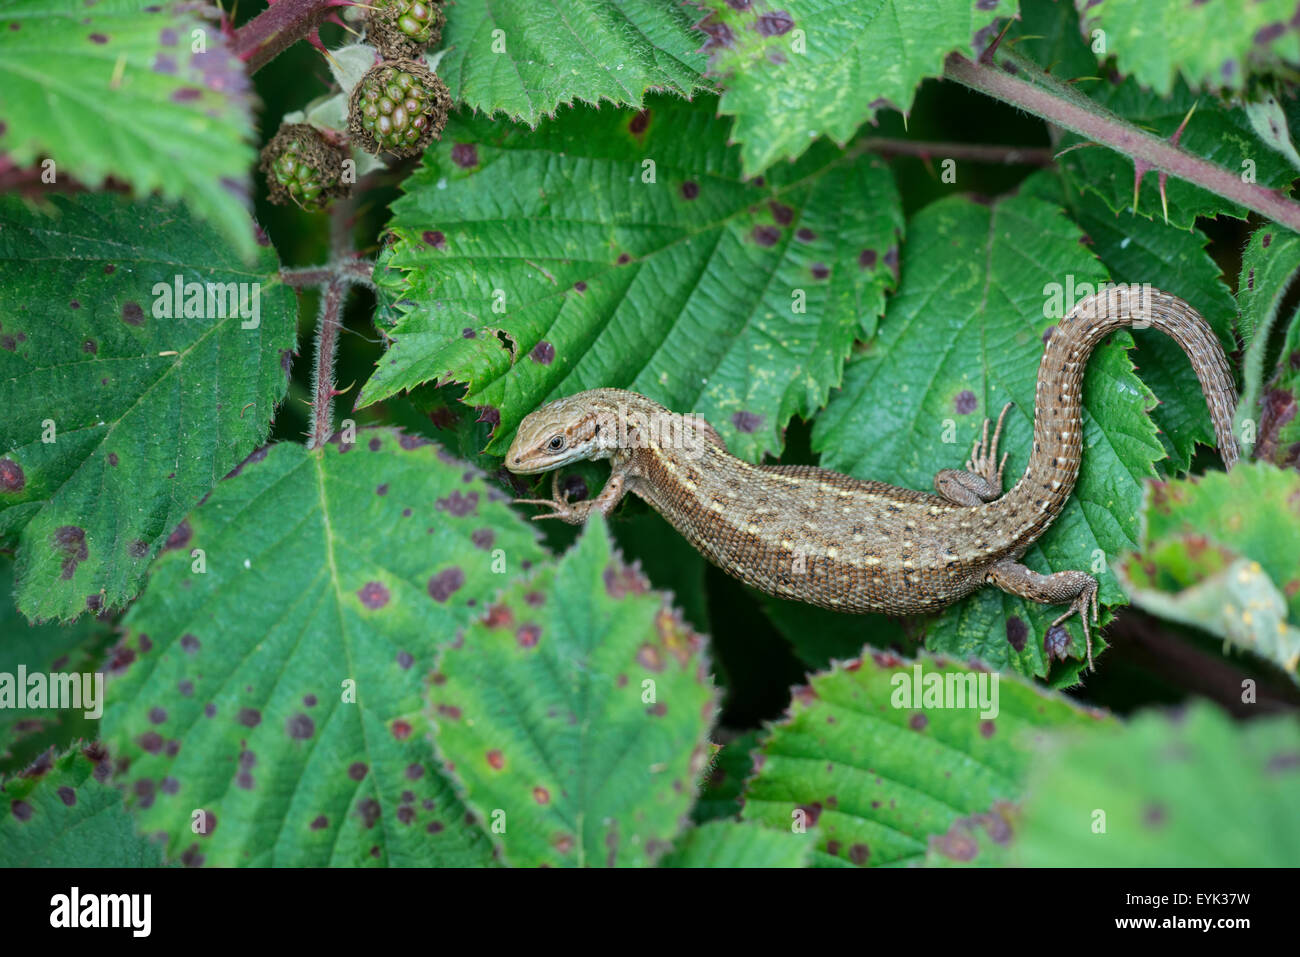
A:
(575, 513)
(1086, 600)
(985, 454)
(563, 510)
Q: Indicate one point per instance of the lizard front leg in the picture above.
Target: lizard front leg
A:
(982, 480)
(1077, 588)
(575, 513)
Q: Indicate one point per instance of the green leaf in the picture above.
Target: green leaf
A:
(1253, 512)
(531, 265)
(526, 59)
(116, 90)
(739, 844)
(281, 690)
(122, 411)
(1269, 120)
(1266, 413)
(1139, 250)
(806, 68)
(963, 336)
(977, 840)
(725, 778)
(1268, 265)
(1229, 597)
(61, 813)
(1047, 31)
(1192, 791)
(576, 713)
(667, 559)
(1279, 427)
(879, 775)
(1211, 45)
(43, 649)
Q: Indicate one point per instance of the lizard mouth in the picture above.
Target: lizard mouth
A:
(522, 469)
(516, 462)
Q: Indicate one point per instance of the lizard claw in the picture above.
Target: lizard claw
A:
(558, 501)
(1085, 602)
(562, 508)
(985, 454)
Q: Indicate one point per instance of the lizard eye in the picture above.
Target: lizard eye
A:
(556, 444)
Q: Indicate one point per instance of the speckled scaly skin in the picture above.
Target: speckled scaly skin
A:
(851, 545)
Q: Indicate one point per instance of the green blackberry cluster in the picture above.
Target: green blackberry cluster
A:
(302, 167)
(401, 29)
(398, 107)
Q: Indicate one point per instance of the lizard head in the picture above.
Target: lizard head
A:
(580, 426)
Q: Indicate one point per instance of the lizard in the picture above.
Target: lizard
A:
(852, 545)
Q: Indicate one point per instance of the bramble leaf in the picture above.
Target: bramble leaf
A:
(526, 59)
(879, 772)
(1195, 790)
(722, 783)
(148, 95)
(48, 648)
(624, 249)
(1252, 512)
(1266, 415)
(739, 844)
(1213, 46)
(576, 713)
(801, 69)
(140, 360)
(280, 691)
(61, 813)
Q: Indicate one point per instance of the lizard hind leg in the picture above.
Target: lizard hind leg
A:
(981, 481)
(1079, 589)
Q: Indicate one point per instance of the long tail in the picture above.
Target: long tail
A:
(1058, 423)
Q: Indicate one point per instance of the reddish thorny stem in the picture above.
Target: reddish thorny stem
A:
(1146, 151)
(343, 272)
(279, 26)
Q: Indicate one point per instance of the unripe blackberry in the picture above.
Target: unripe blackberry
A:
(398, 107)
(401, 29)
(303, 167)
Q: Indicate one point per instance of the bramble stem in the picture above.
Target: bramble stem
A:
(971, 152)
(335, 279)
(357, 272)
(327, 343)
(271, 32)
(1051, 100)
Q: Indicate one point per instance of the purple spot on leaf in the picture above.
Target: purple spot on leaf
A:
(444, 584)
(543, 353)
(373, 595)
(774, 24)
(464, 155)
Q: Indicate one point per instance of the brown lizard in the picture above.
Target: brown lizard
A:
(813, 535)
